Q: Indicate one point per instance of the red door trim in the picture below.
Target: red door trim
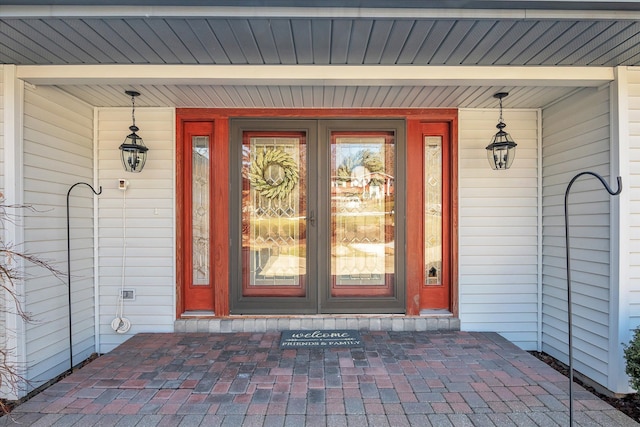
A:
(418, 296)
(219, 198)
(220, 191)
(195, 297)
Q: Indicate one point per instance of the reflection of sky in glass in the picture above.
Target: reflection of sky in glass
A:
(349, 147)
(201, 146)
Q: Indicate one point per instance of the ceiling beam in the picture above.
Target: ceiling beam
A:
(316, 75)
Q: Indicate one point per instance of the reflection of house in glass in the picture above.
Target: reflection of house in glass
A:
(362, 203)
(370, 185)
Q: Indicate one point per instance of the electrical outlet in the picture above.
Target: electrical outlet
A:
(128, 294)
(123, 184)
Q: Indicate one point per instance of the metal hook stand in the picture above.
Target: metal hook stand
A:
(568, 255)
(69, 266)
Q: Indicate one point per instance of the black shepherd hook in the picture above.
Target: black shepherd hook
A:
(69, 266)
(569, 314)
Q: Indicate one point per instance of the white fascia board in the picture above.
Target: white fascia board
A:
(314, 75)
(86, 11)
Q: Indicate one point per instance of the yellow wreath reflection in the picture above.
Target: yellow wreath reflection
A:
(259, 167)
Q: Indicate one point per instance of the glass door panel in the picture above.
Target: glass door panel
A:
(200, 209)
(435, 289)
(274, 214)
(433, 210)
(362, 224)
(314, 216)
(198, 281)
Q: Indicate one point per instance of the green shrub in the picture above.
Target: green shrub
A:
(632, 357)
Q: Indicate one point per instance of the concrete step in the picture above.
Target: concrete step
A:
(436, 321)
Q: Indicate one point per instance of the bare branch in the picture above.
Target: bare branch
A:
(10, 275)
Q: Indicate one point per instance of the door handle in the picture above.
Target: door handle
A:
(311, 219)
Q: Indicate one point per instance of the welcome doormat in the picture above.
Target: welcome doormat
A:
(320, 339)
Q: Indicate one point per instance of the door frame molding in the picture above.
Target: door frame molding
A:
(237, 301)
(395, 303)
(219, 197)
(195, 297)
(416, 129)
(220, 188)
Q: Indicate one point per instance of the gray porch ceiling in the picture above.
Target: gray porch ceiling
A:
(251, 96)
(319, 36)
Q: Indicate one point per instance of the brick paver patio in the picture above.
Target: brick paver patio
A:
(244, 379)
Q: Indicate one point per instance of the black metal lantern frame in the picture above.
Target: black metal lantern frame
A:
(133, 151)
(502, 150)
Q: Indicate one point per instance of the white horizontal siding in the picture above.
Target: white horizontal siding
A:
(498, 231)
(2, 295)
(3, 301)
(147, 210)
(633, 188)
(576, 138)
(58, 152)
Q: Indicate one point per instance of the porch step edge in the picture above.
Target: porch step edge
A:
(276, 324)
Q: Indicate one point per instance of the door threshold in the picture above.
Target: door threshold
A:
(197, 313)
(315, 316)
(274, 323)
(441, 312)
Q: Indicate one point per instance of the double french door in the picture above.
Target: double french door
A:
(315, 212)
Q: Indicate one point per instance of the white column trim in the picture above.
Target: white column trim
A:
(13, 106)
(96, 236)
(619, 234)
(540, 236)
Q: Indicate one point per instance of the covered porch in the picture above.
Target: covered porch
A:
(572, 79)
